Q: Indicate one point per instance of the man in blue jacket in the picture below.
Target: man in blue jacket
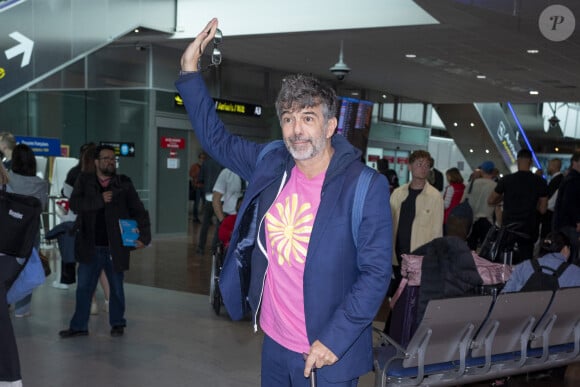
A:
(292, 257)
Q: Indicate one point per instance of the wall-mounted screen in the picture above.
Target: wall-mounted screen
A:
(354, 121)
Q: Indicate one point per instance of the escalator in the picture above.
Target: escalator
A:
(482, 131)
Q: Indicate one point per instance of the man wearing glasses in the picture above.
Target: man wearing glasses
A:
(100, 200)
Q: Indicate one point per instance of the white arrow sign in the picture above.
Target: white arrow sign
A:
(24, 47)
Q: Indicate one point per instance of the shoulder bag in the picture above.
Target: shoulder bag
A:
(31, 276)
(19, 223)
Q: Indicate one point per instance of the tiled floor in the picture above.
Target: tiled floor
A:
(173, 337)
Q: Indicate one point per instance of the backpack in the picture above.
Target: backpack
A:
(461, 216)
(541, 280)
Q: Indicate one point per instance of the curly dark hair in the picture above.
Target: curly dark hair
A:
(420, 154)
(300, 91)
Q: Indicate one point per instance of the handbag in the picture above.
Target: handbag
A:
(19, 223)
(31, 276)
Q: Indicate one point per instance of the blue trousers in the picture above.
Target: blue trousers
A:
(87, 279)
(284, 368)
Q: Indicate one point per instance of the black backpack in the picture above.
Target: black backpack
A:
(541, 280)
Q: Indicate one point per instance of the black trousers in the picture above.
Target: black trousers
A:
(9, 362)
(479, 230)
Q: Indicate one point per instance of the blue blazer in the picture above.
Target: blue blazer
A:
(344, 283)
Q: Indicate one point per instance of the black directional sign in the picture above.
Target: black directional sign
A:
(123, 149)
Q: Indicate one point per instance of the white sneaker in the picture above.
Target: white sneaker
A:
(106, 306)
(58, 285)
(94, 308)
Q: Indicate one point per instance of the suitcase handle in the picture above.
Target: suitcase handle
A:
(313, 378)
(312, 372)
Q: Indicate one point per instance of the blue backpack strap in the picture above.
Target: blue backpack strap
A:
(362, 186)
(268, 148)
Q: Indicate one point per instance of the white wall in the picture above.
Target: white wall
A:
(447, 155)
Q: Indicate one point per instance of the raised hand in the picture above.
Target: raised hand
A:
(194, 51)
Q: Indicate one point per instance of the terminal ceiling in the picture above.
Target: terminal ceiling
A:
(472, 38)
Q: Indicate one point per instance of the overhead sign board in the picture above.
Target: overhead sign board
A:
(172, 142)
(41, 146)
(6, 4)
(240, 108)
(39, 38)
(123, 149)
(226, 106)
(505, 138)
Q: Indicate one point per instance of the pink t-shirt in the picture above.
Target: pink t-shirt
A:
(288, 227)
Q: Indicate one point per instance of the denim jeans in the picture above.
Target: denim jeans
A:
(87, 279)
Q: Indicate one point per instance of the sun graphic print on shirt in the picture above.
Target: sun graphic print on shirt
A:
(289, 228)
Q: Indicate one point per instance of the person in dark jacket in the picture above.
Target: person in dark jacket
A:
(556, 177)
(293, 256)
(9, 361)
(435, 176)
(210, 170)
(567, 210)
(100, 199)
(390, 174)
(22, 180)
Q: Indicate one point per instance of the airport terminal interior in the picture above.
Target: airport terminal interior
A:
(468, 80)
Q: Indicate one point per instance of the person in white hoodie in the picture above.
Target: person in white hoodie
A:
(22, 180)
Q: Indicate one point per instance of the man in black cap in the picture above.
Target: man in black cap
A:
(524, 195)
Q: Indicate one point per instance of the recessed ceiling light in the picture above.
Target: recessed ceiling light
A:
(355, 93)
(557, 149)
(455, 124)
(471, 150)
(384, 96)
(534, 92)
(487, 151)
(410, 56)
(481, 76)
(471, 124)
(533, 51)
(136, 30)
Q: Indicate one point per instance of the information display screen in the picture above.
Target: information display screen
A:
(354, 121)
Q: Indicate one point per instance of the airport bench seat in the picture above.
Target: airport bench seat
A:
(470, 339)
